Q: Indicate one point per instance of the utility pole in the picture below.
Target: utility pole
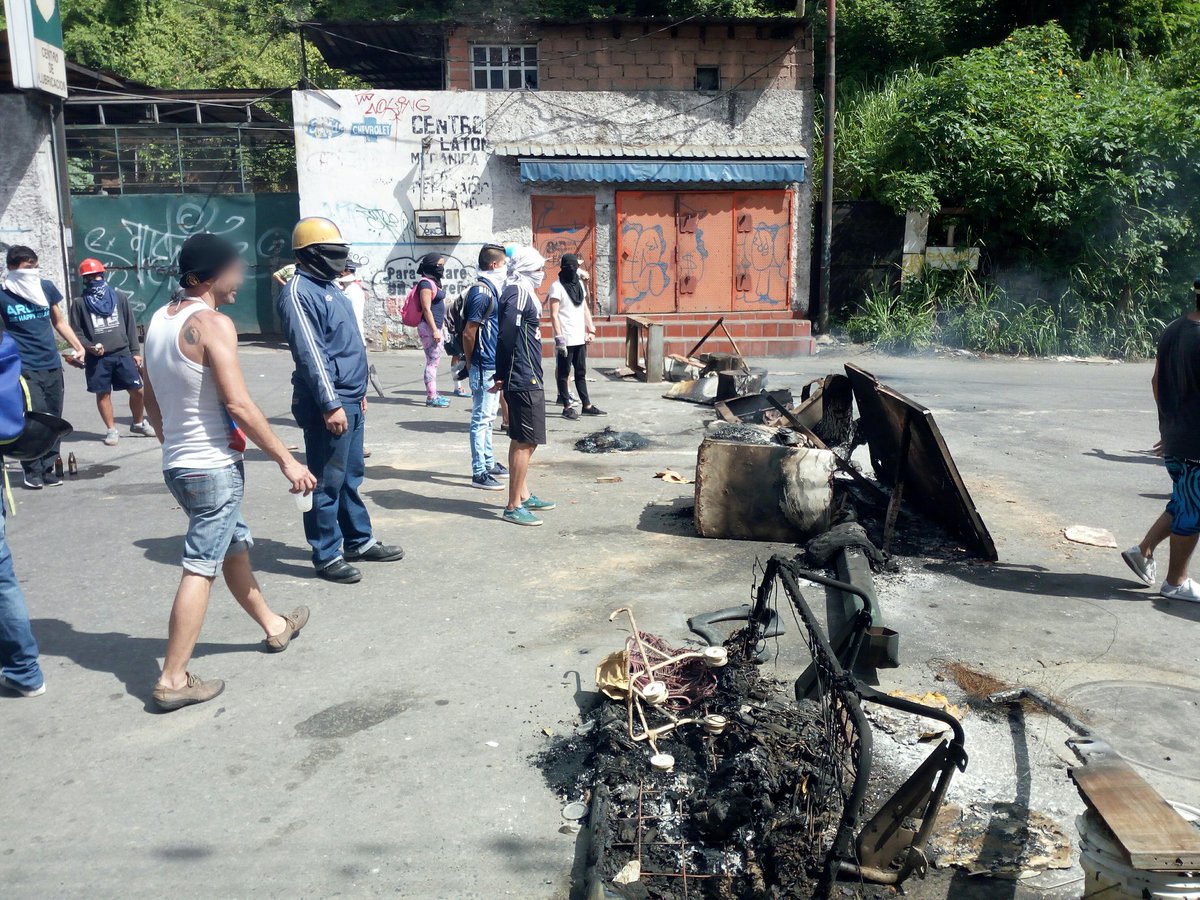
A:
(821, 320)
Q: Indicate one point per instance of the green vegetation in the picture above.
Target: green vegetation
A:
(1086, 171)
(253, 43)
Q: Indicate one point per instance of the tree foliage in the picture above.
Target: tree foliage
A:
(879, 37)
(1086, 169)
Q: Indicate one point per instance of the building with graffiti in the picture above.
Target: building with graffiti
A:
(671, 157)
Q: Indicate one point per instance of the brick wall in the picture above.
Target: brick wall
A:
(605, 56)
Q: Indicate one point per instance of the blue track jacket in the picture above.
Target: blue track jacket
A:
(331, 361)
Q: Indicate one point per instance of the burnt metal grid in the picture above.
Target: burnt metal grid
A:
(842, 764)
(643, 819)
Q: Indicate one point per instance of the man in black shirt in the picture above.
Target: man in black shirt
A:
(519, 375)
(1176, 385)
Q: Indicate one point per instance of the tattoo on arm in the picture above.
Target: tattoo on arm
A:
(191, 334)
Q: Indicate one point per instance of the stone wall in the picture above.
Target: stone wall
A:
(628, 57)
(28, 186)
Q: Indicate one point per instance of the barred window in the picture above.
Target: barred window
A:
(504, 67)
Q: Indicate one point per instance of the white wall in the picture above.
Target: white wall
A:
(28, 186)
(368, 159)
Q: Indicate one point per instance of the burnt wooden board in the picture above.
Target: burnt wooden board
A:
(1147, 827)
(932, 482)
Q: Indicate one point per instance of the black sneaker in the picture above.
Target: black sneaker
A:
(33, 481)
(499, 470)
(51, 480)
(593, 410)
(377, 552)
(340, 572)
(569, 413)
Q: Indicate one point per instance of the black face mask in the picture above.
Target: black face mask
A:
(567, 274)
(326, 261)
(438, 272)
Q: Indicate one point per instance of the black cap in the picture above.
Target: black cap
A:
(202, 257)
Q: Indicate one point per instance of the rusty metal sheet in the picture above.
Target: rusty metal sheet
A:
(934, 484)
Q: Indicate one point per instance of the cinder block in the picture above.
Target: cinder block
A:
(647, 57)
(659, 72)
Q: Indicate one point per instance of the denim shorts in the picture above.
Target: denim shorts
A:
(212, 499)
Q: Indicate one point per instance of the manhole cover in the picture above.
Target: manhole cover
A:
(1153, 725)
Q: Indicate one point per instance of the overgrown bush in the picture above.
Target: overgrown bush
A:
(957, 309)
(1085, 171)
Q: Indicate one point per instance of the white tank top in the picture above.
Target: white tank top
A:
(195, 429)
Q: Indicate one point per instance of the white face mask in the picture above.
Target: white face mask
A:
(538, 277)
(26, 284)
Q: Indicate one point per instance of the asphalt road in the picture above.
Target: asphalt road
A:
(389, 749)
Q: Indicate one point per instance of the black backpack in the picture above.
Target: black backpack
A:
(456, 317)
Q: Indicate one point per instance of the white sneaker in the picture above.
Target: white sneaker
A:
(24, 692)
(111, 437)
(144, 428)
(1189, 591)
(1143, 567)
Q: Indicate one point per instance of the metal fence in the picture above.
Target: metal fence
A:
(185, 159)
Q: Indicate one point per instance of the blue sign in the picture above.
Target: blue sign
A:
(370, 129)
(324, 128)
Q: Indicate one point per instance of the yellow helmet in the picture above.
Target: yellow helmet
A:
(315, 230)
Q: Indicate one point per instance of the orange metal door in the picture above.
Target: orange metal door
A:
(762, 249)
(646, 232)
(703, 263)
(564, 225)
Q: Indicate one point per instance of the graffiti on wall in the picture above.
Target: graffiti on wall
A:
(561, 225)
(138, 240)
(369, 159)
(762, 264)
(645, 267)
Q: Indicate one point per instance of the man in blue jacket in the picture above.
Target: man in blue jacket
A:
(329, 398)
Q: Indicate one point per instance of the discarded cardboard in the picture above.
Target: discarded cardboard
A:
(672, 477)
(907, 448)
(762, 492)
(1093, 537)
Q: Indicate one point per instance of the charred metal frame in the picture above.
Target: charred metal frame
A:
(889, 847)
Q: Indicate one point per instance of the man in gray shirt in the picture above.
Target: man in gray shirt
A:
(1176, 385)
(104, 321)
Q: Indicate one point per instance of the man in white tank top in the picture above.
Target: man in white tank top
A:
(195, 393)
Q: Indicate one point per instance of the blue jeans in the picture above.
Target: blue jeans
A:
(338, 517)
(212, 499)
(18, 649)
(484, 406)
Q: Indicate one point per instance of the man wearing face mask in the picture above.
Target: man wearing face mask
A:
(519, 376)
(29, 307)
(329, 398)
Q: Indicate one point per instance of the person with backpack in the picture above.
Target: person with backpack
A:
(29, 308)
(519, 376)
(432, 299)
(104, 320)
(24, 435)
(481, 325)
(573, 331)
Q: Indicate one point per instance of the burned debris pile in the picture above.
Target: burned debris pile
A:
(705, 779)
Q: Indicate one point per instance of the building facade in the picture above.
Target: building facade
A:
(672, 159)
